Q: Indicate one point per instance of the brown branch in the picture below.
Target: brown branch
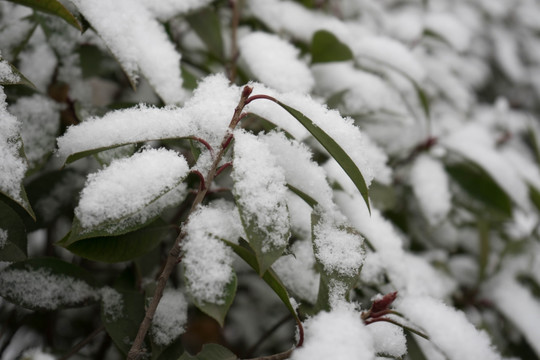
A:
(172, 259)
(83, 343)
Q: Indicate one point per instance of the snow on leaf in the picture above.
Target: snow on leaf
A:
(429, 181)
(139, 42)
(275, 62)
(170, 318)
(447, 328)
(167, 9)
(132, 190)
(339, 334)
(260, 191)
(388, 339)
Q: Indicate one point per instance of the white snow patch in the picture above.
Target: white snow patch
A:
(3, 238)
(167, 9)
(6, 73)
(112, 303)
(339, 334)
(388, 339)
(448, 328)
(429, 181)
(37, 354)
(132, 189)
(450, 28)
(260, 188)
(170, 318)
(42, 289)
(275, 62)
(207, 260)
(139, 42)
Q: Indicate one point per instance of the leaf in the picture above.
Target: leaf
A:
(480, 186)
(53, 7)
(211, 352)
(172, 351)
(484, 248)
(335, 151)
(270, 277)
(534, 195)
(219, 311)
(118, 247)
(22, 80)
(47, 284)
(414, 352)
(424, 100)
(123, 326)
(326, 47)
(14, 247)
(207, 26)
(308, 199)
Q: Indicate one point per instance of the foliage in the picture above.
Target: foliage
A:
(186, 173)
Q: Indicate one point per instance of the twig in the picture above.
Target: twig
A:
(172, 259)
(83, 343)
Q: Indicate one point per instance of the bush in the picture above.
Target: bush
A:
(269, 179)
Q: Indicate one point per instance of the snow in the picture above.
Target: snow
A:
(6, 73)
(388, 339)
(297, 271)
(40, 117)
(111, 302)
(260, 189)
(275, 62)
(476, 144)
(380, 51)
(12, 165)
(447, 328)
(339, 334)
(132, 190)
(38, 61)
(518, 305)
(429, 181)
(139, 42)
(450, 28)
(337, 250)
(3, 238)
(167, 9)
(207, 260)
(507, 55)
(170, 318)
(37, 354)
(40, 288)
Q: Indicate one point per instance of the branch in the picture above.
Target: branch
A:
(135, 352)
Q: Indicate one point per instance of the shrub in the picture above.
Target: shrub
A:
(269, 179)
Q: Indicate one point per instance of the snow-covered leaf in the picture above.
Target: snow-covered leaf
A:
(260, 193)
(47, 284)
(326, 47)
(218, 311)
(54, 7)
(10, 75)
(206, 24)
(13, 241)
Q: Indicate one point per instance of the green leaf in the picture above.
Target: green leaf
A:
(480, 186)
(47, 284)
(116, 248)
(14, 247)
(534, 195)
(172, 351)
(414, 352)
(326, 47)
(334, 149)
(211, 352)
(270, 277)
(53, 7)
(123, 326)
(207, 26)
(219, 311)
(265, 255)
(484, 248)
(308, 199)
(21, 81)
(424, 100)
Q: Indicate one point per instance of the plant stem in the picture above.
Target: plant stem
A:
(83, 343)
(172, 259)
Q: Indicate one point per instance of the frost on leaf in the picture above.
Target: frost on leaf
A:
(275, 62)
(139, 43)
(12, 165)
(207, 259)
(447, 328)
(339, 334)
(7, 76)
(132, 191)
(170, 318)
(260, 191)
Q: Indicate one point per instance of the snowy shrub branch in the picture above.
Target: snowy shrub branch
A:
(269, 179)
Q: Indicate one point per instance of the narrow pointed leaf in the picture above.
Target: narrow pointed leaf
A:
(484, 248)
(207, 26)
(308, 199)
(17, 79)
(53, 7)
(326, 47)
(335, 151)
